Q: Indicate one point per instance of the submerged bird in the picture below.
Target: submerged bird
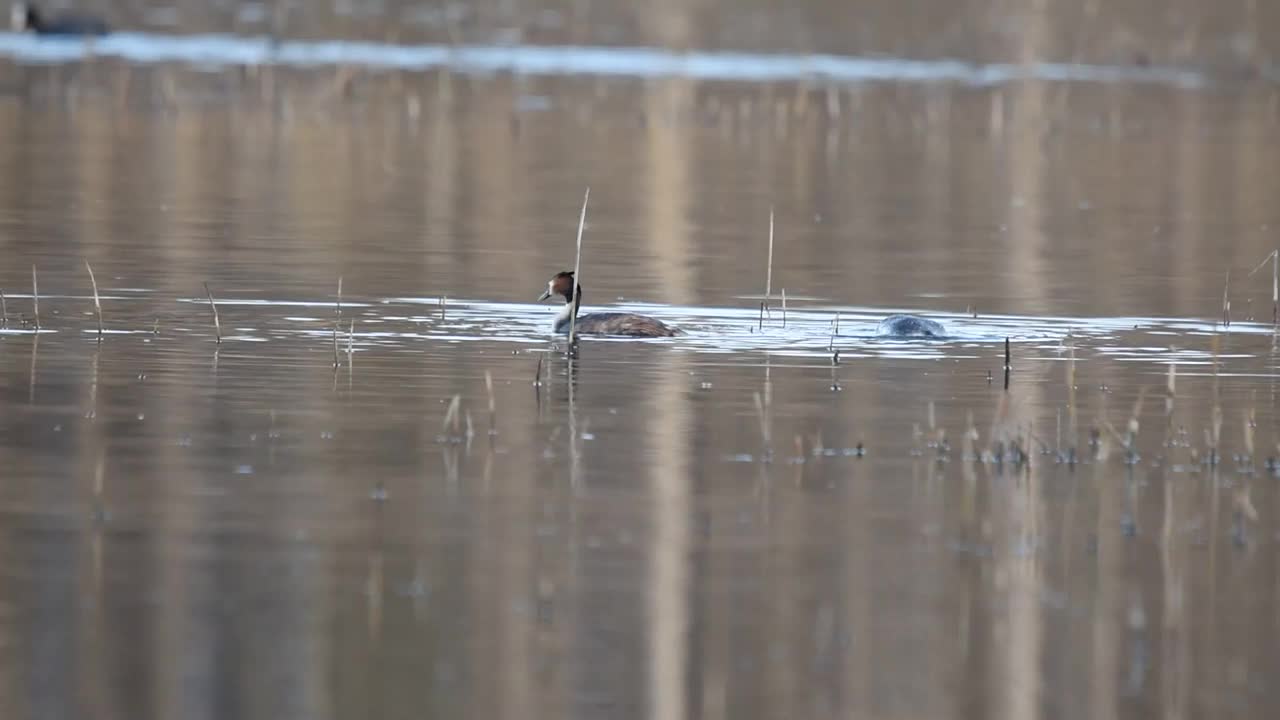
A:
(24, 18)
(605, 323)
(910, 326)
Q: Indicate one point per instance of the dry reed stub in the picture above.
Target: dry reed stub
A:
(4, 310)
(450, 427)
(1008, 363)
(337, 320)
(97, 301)
(217, 322)
(1226, 301)
(937, 440)
(1244, 462)
(493, 403)
(1215, 435)
(765, 434)
(35, 296)
(968, 446)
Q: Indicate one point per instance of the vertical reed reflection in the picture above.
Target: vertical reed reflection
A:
(669, 593)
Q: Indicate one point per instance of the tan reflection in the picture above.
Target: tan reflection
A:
(668, 600)
(1018, 641)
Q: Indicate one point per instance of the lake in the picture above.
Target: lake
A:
(381, 487)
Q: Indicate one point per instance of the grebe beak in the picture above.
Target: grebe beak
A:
(545, 294)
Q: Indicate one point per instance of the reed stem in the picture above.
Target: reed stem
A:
(1226, 302)
(1008, 363)
(493, 403)
(768, 277)
(337, 320)
(35, 295)
(577, 270)
(217, 322)
(97, 302)
(765, 434)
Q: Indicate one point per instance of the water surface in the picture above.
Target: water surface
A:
(436, 510)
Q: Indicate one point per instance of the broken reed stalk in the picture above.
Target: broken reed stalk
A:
(337, 319)
(1131, 430)
(1226, 302)
(784, 307)
(1250, 422)
(1274, 258)
(451, 416)
(1072, 423)
(577, 269)
(97, 302)
(217, 322)
(493, 404)
(765, 435)
(4, 309)
(1008, 363)
(768, 277)
(35, 295)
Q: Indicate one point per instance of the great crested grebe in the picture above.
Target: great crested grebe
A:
(605, 323)
(910, 326)
(24, 17)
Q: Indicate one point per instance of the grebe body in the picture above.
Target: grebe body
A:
(603, 323)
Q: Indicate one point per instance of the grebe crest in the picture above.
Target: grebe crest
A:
(605, 323)
(910, 326)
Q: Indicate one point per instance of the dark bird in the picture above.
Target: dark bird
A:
(910, 326)
(605, 323)
(27, 18)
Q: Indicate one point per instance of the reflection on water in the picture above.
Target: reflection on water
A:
(435, 510)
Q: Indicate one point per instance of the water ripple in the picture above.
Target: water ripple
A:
(215, 51)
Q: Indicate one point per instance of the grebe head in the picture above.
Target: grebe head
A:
(561, 284)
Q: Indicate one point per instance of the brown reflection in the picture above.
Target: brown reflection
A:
(1017, 522)
(667, 187)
